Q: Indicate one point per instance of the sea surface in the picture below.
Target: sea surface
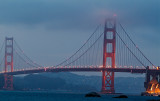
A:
(50, 96)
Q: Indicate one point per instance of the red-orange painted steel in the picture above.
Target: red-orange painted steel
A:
(109, 56)
(8, 79)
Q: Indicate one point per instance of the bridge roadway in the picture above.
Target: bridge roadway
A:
(129, 70)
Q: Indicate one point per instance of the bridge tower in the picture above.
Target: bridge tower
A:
(109, 48)
(8, 79)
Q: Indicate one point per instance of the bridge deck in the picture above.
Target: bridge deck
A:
(129, 70)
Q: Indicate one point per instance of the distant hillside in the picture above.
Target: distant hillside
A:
(69, 82)
(47, 82)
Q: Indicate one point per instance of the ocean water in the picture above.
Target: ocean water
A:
(50, 96)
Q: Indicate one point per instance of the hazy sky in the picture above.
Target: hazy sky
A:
(50, 30)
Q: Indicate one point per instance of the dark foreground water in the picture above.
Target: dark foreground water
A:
(50, 96)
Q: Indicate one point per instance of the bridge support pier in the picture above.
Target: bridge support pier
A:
(147, 78)
(8, 82)
(151, 76)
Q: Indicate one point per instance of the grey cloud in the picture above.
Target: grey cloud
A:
(72, 12)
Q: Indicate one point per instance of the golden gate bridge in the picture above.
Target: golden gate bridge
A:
(109, 49)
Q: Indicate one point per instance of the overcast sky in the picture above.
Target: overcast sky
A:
(50, 30)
